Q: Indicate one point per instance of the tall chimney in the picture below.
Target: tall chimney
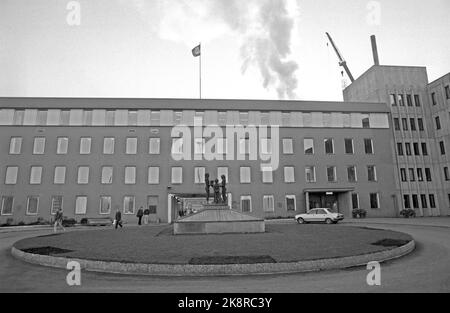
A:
(376, 60)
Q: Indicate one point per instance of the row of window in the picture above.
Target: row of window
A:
(130, 173)
(131, 146)
(415, 174)
(78, 117)
(407, 148)
(399, 100)
(434, 100)
(412, 201)
(409, 124)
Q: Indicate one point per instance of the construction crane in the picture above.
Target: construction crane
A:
(342, 62)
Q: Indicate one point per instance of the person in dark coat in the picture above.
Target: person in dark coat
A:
(139, 215)
(118, 219)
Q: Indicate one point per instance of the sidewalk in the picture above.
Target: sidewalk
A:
(419, 221)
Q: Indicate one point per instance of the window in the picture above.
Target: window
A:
(11, 175)
(408, 148)
(412, 175)
(62, 145)
(415, 201)
(416, 148)
(291, 204)
(266, 145)
(423, 199)
(7, 205)
(355, 201)
(80, 205)
(446, 174)
(246, 204)
(83, 175)
(57, 204)
(368, 146)
(130, 175)
(405, 124)
(199, 175)
(396, 124)
(152, 203)
(32, 205)
(177, 117)
(155, 146)
(366, 121)
(177, 175)
(432, 202)
(131, 146)
(268, 204)
(349, 146)
(243, 118)
(267, 175)
(447, 92)
(245, 175)
(15, 145)
(424, 149)
(65, 118)
(374, 201)
(39, 145)
(393, 100)
(107, 175)
(438, 123)
(372, 173)
(109, 118)
(128, 205)
(308, 146)
(442, 147)
(331, 174)
(420, 174)
(85, 145)
(400, 149)
(351, 174)
(409, 100)
(404, 178)
(289, 175)
(428, 174)
(244, 146)
(121, 118)
(36, 175)
(108, 145)
(329, 146)
(401, 100)
(433, 98)
(412, 123)
(310, 174)
(153, 175)
(19, 118)
(105, 205)
(222, 146)
(417, 100)
(60, 175)
(155, 118)
(199, 146)
(177, 145)
(223, 171)
(288, 146)
(406, 202)
(87, 117)
(132, 118)
(420, 124)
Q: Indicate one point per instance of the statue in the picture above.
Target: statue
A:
(224, 189)
(216, 189)
(207, 186)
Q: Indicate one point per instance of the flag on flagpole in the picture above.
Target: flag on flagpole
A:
(196, 52)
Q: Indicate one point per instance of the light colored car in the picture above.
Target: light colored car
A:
(319, 215)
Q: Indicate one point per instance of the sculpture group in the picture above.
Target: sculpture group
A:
(219, 197)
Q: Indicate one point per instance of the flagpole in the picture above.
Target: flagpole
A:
(200, 70)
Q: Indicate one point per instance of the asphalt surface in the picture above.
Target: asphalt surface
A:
(427, 269)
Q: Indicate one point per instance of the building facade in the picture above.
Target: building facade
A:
(92, 157)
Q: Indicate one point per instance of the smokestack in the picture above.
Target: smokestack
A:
(376, 60)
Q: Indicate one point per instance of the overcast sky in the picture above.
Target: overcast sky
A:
(251, 49)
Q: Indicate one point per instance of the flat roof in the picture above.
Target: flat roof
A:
(191, 104)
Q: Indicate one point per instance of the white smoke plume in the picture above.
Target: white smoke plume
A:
(264, 27)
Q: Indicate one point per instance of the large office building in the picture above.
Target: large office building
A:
(383, 149)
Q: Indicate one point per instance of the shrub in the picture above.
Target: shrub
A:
(84, 221)
(359, 213)
(408, 213)
(69, 222)
(21, 223)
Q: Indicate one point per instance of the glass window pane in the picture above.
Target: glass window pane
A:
(80, 205)
(87, 117)
(83, 175)
(199, 175)
(288, 146)
(154, 145)
(130, 175)
(60, 175)
(223, 171)
(7, 205)
(11, 175)
(290, 203)
(310, 174)
(153, 175)
(98, 117)
(57, 204)
(177, 175)
(19, 117)
(105, 205)
(15, 146)
(132, 144)
(128, 205)
(245, 175)
(32, 205)
(107, 175)
(39, 145)
(268, 204)
(62, 145)
(267, 175)
(121, 118)
(308, 146)
(108, 145)
(289, 174)
(85, 145)
(36, 175)
(76, 118)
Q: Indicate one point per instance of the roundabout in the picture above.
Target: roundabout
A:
(155, 251)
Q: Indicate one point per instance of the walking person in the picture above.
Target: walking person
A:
(139, 215)
(146, 216)
(118, 219)
(58, 221)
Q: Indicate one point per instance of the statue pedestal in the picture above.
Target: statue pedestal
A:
(218, 219)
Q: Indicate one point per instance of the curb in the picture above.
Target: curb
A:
(172, 270)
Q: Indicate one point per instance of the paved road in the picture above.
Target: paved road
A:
(426, 270)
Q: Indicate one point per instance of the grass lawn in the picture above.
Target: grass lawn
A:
(156, 244)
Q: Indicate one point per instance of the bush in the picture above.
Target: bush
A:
(69, 222)
(408, 213)
(21, 223)
(359, 213)
(84, 221)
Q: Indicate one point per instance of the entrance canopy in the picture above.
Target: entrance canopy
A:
(335, 199)
(324, 190)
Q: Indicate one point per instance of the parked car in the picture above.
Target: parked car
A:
(319, 215)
